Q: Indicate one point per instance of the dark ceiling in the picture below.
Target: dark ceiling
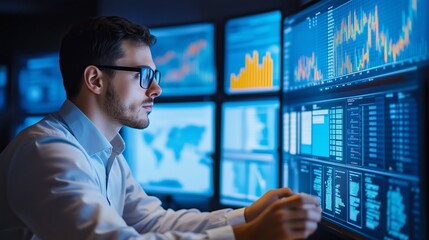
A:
(9, 7)
(37, 25)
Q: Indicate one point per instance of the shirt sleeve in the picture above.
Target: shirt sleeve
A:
(145, 214)
(53, 190)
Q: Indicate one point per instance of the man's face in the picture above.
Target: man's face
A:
(126, 102)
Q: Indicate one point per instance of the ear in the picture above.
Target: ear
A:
(92, 77)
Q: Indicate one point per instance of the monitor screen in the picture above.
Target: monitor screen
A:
(174, 154)
(3, 82)
(353, 113)
(252, 53)
(341, 41)
(360, 152)
(40, 82)
(185, 56)
(249, 150)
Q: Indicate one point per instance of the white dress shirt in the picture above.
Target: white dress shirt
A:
(62, 179)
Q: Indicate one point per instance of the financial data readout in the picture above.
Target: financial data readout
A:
(353, 113)
(252, 53)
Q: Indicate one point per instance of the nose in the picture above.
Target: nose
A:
(154, 90)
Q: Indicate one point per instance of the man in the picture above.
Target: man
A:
(65, 177)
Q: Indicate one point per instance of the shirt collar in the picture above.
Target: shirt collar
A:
(91, 139)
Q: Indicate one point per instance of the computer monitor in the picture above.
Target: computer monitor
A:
(40, 84)
(249, 150)
(174, 154)
(353, 112)
(3, 82)
(339, 41)
(185, 56)
(252, 53)
(360, 153)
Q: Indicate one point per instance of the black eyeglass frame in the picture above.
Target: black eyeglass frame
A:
(154, 74)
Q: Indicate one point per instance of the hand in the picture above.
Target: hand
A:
(252, 211)
(294, 217)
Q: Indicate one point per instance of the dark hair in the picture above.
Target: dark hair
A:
(96, 40)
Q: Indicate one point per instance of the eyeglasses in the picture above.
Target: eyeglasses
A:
(147, 74)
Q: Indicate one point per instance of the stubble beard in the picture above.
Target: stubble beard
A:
(124, 114)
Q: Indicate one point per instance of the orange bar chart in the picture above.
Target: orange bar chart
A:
(254, 75)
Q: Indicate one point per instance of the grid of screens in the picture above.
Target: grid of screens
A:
(249, 159)
(358, 149)
(252, 53)
(174, 154)
(3, 81)
(41, 87)
(185, 57)
(339, 41)
(353, 137)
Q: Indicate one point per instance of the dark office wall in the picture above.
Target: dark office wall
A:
(168, 12)
(31, 28)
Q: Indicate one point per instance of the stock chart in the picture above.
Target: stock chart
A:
(345, 39)
(252, 53)
(185, 56)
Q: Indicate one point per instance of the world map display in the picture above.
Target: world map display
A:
(173, 155)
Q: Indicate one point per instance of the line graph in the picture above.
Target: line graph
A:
(365, 38)
(341, 40)
(185, 56)
(307, 69)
